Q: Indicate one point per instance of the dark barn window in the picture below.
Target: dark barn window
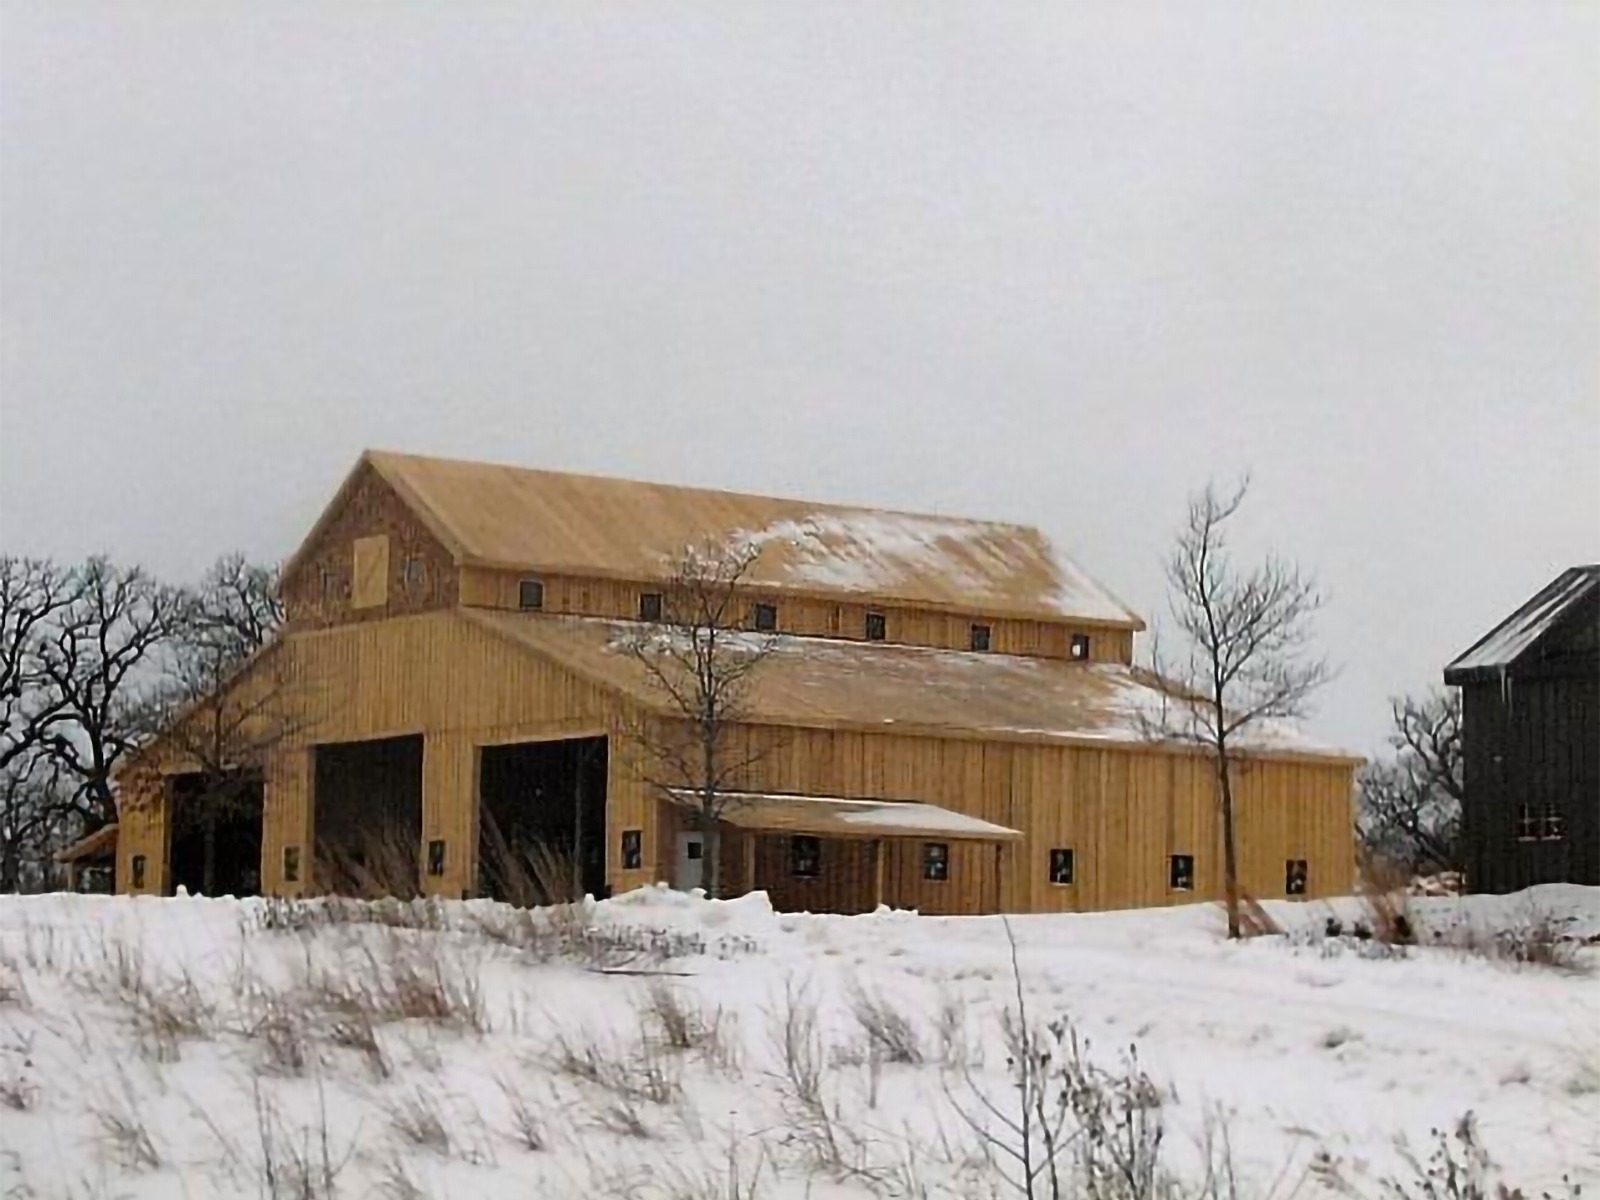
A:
(1181, 873)
(291, 864)
(1061, 866)
(632, 849)
(766, 618)
(1080, 646)
(877, 627)
(650, 606)
(1530, 823)
(936, 861)
(436, 857)
(1294, 877)
(1553, 827)
(416, 574)
(530, 594)
(139, 862)
(980, 637)
(805, 857)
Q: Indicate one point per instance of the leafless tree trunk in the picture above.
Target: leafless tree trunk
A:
(1247, 662)
(1411, 804)
(700, 655)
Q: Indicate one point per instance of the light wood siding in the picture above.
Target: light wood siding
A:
(1122, 810)
(810, 616)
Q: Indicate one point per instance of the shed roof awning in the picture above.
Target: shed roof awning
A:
(102, 843)
(837, 817)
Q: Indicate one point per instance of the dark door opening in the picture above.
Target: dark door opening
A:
(216, 834)
(367, 817)
(542, 821)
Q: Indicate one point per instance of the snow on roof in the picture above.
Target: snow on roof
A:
(1509, 640)
(795, 813)
(831, 682)
(521, 519)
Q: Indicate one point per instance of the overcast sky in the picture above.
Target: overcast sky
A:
(1050, 263)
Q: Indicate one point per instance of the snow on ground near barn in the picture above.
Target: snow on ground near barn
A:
(167, 1048)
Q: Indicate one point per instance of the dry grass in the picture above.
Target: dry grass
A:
(892, 1035)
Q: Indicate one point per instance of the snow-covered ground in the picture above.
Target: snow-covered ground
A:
(196, 1048)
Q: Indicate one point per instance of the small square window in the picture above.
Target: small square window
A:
(649, 606)
(1181, 873)
(530, 594)
(695, 849)
(632, 849)
(980, 637)
(1294, 877)
(805, 857)
(1554, 826)
(291, 864)
(936, 861)
(436, 857)
(1061, 866)
(1530, 823)
(138, 866)
(1080, 646)
(766, 618)
(877, 627)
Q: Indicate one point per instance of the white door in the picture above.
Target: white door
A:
(691, 872)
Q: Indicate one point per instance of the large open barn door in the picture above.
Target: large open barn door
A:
(216, 834)
(367, 816)
(542, 820)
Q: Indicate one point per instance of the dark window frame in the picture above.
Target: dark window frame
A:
(1296, 876)
(805, 857)
(936, 862)
(1527, 823)
(764, 617)
(414, 573)
(1552, 823)
(530, 595)
(981, 637)
(1063, 866)
(136, 870)
(1080, 647)
(633, 849)
(1180, 872)
(877, 627)
(436, 851)
(650, 606)
(291, 864)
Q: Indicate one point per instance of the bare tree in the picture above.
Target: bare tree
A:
(97, 662)
(1247, 662)
(701, 655)
(36, 818)
(1411, 803)
(33, 595)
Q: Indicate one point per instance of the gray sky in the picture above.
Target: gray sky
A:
(1050, 263)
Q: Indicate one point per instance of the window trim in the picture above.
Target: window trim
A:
(980, 632)
(877, 620)
(815, 843)
(633, 850)
(522, 594)
(1071, 859)
(648, 601)
(936, 862)
(761, 609)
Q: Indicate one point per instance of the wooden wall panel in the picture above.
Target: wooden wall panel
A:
(807, 616)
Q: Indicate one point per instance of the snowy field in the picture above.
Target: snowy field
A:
(669, 1048)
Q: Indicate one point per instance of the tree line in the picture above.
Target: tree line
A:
(94, 658)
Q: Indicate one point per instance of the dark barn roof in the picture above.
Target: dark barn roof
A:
(1515, 639)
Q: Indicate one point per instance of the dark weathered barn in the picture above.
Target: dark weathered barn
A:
(1531, 739)
(951, 719)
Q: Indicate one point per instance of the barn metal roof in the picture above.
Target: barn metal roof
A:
(518, 518)
(880, 687)
(1519, 633)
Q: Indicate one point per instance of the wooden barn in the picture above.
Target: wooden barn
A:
(949, 718)
(1530, 731)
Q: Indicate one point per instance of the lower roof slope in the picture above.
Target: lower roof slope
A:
(828, 683)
